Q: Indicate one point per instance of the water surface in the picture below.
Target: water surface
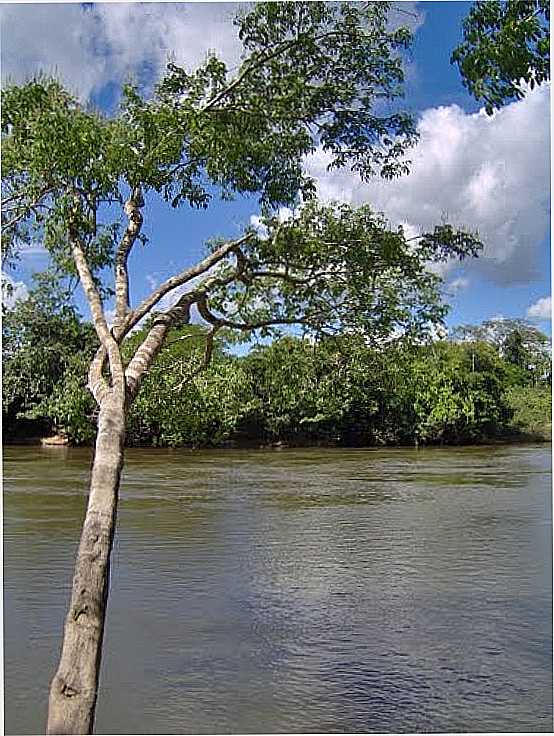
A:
(293, 591)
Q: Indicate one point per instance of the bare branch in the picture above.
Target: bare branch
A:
(246, 72)
(132, 210)
(218, 322)
(97, 311)
(152, 344)
(184, 277)
(21, 216)
(178, 314)
(284, 46)
(21, 195)
(24, 209)
(285, 276)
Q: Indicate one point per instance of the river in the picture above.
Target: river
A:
(394, 590)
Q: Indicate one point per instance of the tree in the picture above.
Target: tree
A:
(338, 389)
(312, 75)
(41, 337)
(459, 392)
(519, 342)
(506, 45)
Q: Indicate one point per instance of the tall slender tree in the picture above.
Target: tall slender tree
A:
(313, 75)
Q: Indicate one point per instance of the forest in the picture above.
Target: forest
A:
(485, 382)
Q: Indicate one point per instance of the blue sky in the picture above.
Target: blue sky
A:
(492, 174)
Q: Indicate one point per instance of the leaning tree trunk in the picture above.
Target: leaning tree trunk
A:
(73, 690)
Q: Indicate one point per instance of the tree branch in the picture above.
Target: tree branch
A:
(25, 211)
(97, 384)
(184, 277)
(206, 359)
(284, 46)
(152, 344)
(106, 338)
(218, 322)
(179, 313)
(132, 210)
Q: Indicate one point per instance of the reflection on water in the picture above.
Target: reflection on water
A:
(294, 591)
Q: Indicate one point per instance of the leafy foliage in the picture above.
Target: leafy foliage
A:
(182, 404)
(506, 45)
(339, 390)
(525, 348)
(460, 393)
(69, 407)
(41, 339)
(334, 268)
(346, 391)
(313, 74)
(531, 410)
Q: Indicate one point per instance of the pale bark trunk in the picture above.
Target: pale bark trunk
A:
(73, 690)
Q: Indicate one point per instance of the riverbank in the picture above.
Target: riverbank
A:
(516, 438)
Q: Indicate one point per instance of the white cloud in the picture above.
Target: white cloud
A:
(541, 309)
(406, 13)
(89, 46)
(261, 229)
(458, 284)
(54, 39)
(486, 173)
(12, 291)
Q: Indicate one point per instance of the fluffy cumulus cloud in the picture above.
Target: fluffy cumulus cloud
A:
(88, 46)
(486, 173)
(541, 309)
(91, 45)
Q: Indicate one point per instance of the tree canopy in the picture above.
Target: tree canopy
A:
(506, 46)
(312, 74)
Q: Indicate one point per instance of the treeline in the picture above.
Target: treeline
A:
(491, 382)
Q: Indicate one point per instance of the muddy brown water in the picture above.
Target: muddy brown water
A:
(293, 591)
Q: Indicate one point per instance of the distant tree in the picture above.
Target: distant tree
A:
(312, 75)
(518, 341)
(531, 410)
(506, 45)
(183, 403)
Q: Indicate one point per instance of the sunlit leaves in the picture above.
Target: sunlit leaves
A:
(337, 268)
(312, 75)
(506, 44)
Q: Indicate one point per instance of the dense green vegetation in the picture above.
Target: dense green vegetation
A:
(492, 381)
(505, 49)
(44, 343)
